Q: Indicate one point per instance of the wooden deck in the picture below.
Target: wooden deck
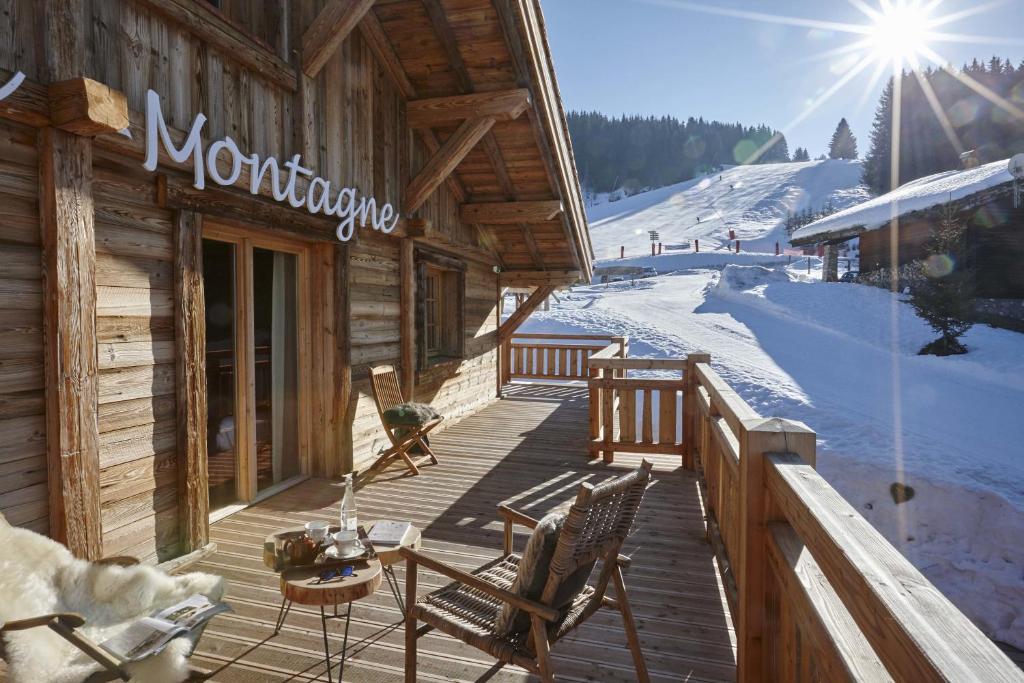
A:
(528, 450)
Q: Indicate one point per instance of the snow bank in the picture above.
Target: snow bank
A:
(919, 195)
(842, 358)
(752, 201)
(689, 260)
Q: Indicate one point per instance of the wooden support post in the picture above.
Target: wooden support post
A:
(407, 323)
(190, 367)
(690, 408)
(520, 315)
(329, 30)
(759, 437)
(69, 314)
(608, 421)
(343, 360)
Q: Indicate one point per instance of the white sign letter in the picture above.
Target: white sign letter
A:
(193, 146)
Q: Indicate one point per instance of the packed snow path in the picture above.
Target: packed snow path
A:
(842, 358)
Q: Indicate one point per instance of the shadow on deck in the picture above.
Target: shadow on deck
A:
(528, 450)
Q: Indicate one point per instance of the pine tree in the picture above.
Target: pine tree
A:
(801, 154)
(877, 173)
(843, 145)
(946, 297)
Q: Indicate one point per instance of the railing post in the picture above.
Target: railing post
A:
(595, 410)
(690, 408)
(608, 420)
(759, 437)
(623, 343)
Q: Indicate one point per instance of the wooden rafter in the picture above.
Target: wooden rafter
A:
(501, 105)
(510, 213)
(533, 278)
(443, 162)
(519, 316)
(329, 30)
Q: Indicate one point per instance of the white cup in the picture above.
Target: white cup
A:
(317, 531)
(347, 541)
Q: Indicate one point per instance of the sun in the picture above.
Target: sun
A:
(900, 32)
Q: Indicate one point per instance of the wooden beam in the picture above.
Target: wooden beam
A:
(443, 30)
(424, 233)
(329, 30)
(86, 107)
(190, 373)
(444, 161)
(69, 314)
(345, 413)
(208, 24)
(510, 213)
(502, 105)
(407, 321)
(29, 104)
(531, 278)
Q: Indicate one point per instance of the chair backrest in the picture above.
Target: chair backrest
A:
(596, 527)
(386, 391)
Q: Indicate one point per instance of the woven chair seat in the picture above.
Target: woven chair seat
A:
(470, 615)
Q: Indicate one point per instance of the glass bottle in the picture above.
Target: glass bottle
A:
(348, 507)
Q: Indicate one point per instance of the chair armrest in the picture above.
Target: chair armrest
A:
(525, 604)
(516, 517)
(69, 619)
(119, 560)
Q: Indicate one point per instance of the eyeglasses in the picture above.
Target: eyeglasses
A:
(335, 572)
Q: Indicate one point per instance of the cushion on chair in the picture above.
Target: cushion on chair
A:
(532, 575)
(412, 414)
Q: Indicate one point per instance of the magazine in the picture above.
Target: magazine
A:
(149, 635)
(388, 532)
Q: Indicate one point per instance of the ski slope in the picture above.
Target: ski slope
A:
(751, 200)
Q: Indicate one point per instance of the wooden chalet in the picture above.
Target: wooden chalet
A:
(213, 344)
(217, 216)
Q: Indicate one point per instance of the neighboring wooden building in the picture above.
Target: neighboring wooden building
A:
(170, 353)
(995, 229)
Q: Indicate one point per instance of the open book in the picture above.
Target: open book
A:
(150, 635)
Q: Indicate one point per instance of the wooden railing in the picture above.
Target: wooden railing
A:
(815, 591)
(553, 356)
(637, 415)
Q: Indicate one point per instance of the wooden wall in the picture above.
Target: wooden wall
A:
(135, 330)
(23, 487)
(358, 138)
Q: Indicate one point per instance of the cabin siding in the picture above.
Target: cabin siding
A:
(23, 470)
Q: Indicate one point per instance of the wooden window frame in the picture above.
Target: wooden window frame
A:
(449, 300)
(245, 239)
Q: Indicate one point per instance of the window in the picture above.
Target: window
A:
(439, 311)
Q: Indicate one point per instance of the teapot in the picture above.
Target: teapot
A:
(301, 550)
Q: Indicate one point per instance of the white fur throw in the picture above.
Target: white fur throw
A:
(39, 576)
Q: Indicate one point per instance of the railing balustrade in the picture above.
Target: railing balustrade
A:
(816, 593)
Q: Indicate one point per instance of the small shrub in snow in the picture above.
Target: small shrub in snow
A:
(945, 298)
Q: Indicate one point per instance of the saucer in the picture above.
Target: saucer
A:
(333, 553)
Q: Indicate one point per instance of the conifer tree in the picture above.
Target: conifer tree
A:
(877, 173)
(843, 145)
(801, 154)
(946, 297)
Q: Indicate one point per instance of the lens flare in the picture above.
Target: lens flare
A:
(939, 265)
(900, 33)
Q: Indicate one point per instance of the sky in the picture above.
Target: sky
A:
(668, 57)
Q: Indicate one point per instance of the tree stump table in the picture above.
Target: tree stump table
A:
(306, 586)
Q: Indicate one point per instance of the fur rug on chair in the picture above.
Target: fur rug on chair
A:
(39, 576)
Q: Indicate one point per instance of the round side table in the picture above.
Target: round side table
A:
(305, 586)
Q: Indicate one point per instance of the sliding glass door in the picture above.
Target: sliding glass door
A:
(254, 311)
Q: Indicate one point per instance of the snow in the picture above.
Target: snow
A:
(752, 200)
(843, 359)
(919, 195)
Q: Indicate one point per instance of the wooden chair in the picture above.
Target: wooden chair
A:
(387, 394)
(66, 625)
(595, 528)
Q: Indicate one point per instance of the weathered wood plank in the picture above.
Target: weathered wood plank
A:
(329, 30)
(501, 105)
(443, 162)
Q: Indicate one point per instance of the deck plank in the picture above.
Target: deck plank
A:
(530, 451)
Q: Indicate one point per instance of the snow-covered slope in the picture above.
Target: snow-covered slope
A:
(752, 200)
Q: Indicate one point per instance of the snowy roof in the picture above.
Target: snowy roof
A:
(919, 195)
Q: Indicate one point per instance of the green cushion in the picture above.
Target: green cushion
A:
(412, 414)
(534, 566)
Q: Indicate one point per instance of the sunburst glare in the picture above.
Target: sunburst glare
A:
(900, 33)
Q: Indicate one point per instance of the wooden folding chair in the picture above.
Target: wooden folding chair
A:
(387, 394)
(594, 529)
